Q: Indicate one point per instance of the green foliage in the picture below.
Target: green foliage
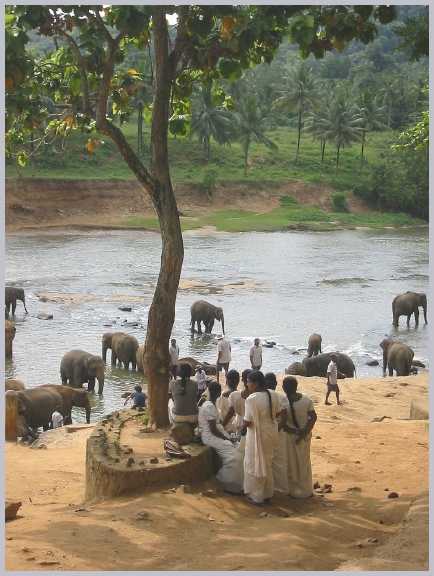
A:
(288, 201)
(339, 202)
(208, 183)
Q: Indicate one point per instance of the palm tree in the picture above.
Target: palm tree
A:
(253, 120)
(317, 120)
(300, 94)
(341, 122)
(373, 114)
(210, 121)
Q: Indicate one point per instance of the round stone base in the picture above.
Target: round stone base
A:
(121, 458)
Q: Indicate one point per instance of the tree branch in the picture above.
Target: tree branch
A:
(83, 70)
(181, 42)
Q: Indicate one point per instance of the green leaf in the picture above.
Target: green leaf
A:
(22, 159)
(230, 69)
(178, 126)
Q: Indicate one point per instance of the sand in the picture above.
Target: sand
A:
(356, 526)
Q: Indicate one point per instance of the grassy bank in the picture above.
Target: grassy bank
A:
(188, 165)
(286, 217)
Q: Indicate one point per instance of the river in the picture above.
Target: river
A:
(276, 286)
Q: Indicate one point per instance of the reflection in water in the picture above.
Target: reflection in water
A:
(338, 284)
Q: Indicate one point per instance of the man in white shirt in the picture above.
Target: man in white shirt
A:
(174, 356)
(223, 355)
(332, 379)
(256, 355)
(56, 419)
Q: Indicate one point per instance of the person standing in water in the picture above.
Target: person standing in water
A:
(332, 379)
(174, 357)
(256, 355)
(223, 355)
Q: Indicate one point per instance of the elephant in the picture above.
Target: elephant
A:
(396, 356)
(139, 357)
(70, 397)
(13, 384)
(209, 369)
(317, 365)
(123, 346)
(295, 369)
(314, 345)
(13, 294)
(202, 311)
(10, 331)
(36, 405)
(408, 304)
(78, 367)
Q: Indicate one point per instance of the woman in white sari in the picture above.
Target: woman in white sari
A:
(260, 419)
(214, 435)
(223, 403)
(301, 418)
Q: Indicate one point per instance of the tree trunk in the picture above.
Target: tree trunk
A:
(337, 156)
(323, 150)
(162, 311)
(246, 154)
(299, 135)
(363, 144)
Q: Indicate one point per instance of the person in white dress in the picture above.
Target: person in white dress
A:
(224, 355)
(280, 465)
(260, 419)
(223, 404)
(56, 419)
(301, 418)
(237, 400)
(256, 355)
(214, 435)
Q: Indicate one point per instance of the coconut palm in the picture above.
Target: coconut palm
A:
(373, 113)
(299, 94)
(252, 120)
(210, 121)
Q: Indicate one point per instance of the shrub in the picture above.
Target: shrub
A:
(208, 183)
(288, 201)
(339, 202)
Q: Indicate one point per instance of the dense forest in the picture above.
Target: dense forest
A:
(350, 99)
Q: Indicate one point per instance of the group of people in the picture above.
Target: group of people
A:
(261, 436)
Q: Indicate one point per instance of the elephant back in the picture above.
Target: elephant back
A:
(13, 384)
(37, 405)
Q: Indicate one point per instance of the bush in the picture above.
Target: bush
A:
(339, 202)
(208, 183)
(288, 201)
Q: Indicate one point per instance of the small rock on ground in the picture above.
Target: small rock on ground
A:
(11, 509)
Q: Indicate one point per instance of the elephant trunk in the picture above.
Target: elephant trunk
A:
(24, 303)
(223, 324)
(104, 351)
(88, 414)
(100, 378)
(424, 310)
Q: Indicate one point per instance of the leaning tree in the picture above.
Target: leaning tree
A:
(82, 76)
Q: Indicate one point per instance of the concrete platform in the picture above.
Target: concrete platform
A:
(119, 454)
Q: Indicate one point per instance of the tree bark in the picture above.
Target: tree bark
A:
(337, 156)
(299, 135)
(363, 144)
(323, 145)
(162, 311)
(246, 154)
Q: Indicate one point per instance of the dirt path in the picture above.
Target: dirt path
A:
(363, 460)
(40, 203)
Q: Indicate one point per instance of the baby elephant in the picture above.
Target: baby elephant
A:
(13, 294)
(123, 346)
(396, 356)
(314, 345)
(79, 366)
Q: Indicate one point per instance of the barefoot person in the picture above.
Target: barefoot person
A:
(280, 464)
(183, 392)
(237, 400)
(223, 355)
(138, 397)
(301, 418)
(256, 355)
(260, 419)
(214, 435)
(332, 379)
(174, 357)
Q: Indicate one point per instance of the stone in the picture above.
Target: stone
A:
(418, 363)
(317, 437)
(154, 460)
(130, 462)
(143, 515)
(44, 316)
(182, 433)
(42, 447)
(419, 410)
(11, 509)
(125, 308)
(210, 518)
(81, 510)
(390, 395)
(393, 495)
(316, 486)
(372, 363)
(327, 488)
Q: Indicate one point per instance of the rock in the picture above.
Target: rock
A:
(356, 461)
(185, 489)
(154, 460)
(143, 515)
(419, 410)
(390, 395)
(317, 437)
(269, 344)
(393, 495)
(130, 462)
(42, 447)
(372, 363)
(81, 510)
(264, 515)
(316, 486)
(210, 518)
(125, 308)
(182, 433)
(11, 509)
(327, 488)
(380, 418)
(418, 363)
(44, 316)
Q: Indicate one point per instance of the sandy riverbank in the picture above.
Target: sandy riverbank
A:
(362, 459)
